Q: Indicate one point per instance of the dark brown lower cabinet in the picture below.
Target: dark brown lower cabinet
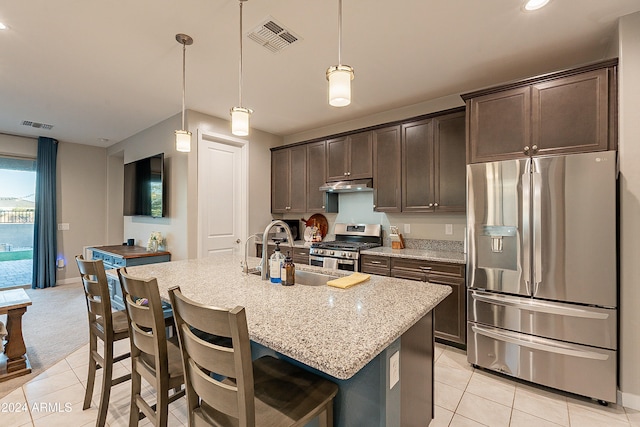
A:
(450, 314)
(299, 255)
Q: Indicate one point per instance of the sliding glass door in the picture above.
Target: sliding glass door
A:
(17, 209)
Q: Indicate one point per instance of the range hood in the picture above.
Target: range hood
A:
(348, 186)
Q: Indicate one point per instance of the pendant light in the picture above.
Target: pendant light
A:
(340, 76)
(240, 115)
(183, 137)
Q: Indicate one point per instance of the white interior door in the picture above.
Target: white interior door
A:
(222, 190)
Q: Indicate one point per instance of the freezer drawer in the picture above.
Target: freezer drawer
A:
(583, 370)
(567, 322)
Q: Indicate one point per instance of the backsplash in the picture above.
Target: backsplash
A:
(434, 245)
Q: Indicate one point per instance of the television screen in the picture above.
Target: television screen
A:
(144, 187)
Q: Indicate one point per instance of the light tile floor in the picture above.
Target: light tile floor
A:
(464, 396)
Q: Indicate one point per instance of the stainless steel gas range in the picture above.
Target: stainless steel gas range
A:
(343, 253)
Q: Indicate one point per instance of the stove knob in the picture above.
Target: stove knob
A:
(319, 251)
(332, 253)
(349, 254)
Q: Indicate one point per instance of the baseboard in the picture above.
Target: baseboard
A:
(629, 400)
(67, 281)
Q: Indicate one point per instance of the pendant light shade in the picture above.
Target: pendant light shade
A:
(240, 115)
(183, 137)
(240, 121)
(340, 85)
(340, 76)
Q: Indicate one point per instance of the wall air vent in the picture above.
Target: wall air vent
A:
(273, 36)
(36, 125)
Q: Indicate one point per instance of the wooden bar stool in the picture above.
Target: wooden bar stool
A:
(104, 324)
(153, 357)
(225, 388)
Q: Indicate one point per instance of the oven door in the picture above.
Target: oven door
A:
(333, 263)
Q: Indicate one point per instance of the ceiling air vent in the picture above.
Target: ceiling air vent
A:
(36, 125)
(273, 36)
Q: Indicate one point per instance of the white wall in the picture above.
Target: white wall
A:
(179, 227)
(629, 126)
(80, 198)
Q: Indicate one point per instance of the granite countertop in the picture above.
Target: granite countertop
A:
(424, 254)
(337, 331)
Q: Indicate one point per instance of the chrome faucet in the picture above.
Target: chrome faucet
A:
(245, 264)
(265, 261)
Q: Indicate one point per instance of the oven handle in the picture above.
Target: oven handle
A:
(340, 260)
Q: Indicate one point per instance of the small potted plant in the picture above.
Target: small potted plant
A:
(155, 240)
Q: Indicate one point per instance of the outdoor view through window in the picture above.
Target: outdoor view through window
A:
(17, 211)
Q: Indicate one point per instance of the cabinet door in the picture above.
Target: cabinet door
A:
(316, 176)
(499, 125)
(337, 159)
(450, 164)
(360, 155)
(571, 114)
(387, 162)
(373, 264)
(279, 181)
(298, 179)
(450, 315)
(417, 167)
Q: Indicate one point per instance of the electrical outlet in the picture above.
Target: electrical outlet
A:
(407, 229)
(394, 369)
(448, 229)
(63, 226)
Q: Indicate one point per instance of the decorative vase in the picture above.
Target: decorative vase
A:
(153, 245)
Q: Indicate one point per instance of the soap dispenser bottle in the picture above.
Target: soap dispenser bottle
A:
(275, 265)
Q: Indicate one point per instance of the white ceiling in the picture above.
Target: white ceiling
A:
(109, 69)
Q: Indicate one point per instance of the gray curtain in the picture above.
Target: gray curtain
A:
(45, 228)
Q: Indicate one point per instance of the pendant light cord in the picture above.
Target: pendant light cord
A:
(184, 80)
(339, 32)
(240, 79)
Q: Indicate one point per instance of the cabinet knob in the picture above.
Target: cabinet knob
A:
(534, 149)
(430, 205)
(288, 207)
(526, 150)
(346, 173)
(323, 207)
(436, 204)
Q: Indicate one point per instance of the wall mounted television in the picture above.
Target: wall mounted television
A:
(144, 187)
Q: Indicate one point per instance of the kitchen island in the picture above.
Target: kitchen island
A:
(351, 336)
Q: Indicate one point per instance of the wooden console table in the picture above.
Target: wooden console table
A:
(14, 361)
(118, 256)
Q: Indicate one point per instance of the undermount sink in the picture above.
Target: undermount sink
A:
(309, 278)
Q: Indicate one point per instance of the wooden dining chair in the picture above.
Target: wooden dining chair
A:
(153, 357)
(105, 325)
(225, 388)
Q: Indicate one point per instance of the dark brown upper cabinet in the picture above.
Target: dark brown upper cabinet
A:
(387, 161)
(570, 111)
(316, 176)
(289, 180)
(350, 157)
(433, 164)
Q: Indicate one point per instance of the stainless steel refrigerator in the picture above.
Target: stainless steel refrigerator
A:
(541, 271)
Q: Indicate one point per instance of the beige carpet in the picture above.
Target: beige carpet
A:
(53, 327)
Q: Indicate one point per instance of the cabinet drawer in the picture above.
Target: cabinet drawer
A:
(300, 255)
(420, 266)
(119, 262)
(97, 255)
(373, 264)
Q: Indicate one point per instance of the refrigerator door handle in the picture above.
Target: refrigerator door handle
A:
(526, 226)
(536, 343)
(536, 212)
(536, 306)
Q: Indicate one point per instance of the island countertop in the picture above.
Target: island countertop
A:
(337, 331)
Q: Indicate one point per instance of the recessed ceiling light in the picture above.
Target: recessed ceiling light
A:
(3, 26)
(531, 5)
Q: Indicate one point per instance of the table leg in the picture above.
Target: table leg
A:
(15, 357)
